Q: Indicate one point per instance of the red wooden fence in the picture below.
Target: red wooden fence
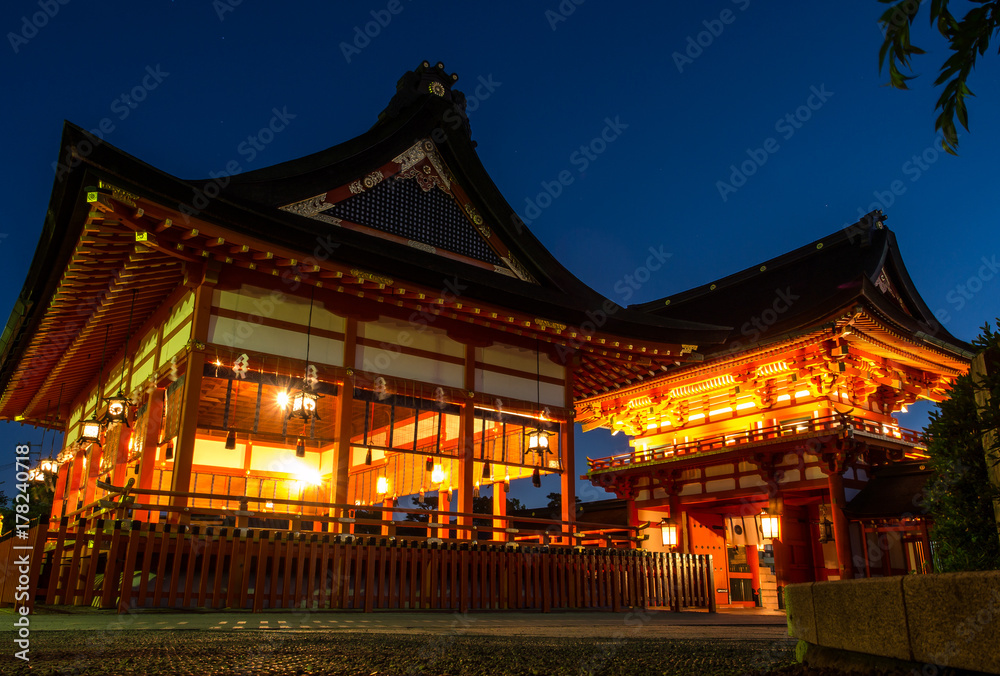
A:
(133, 564)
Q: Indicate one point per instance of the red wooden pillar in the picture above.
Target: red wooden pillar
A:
(188, 428)
(387, 527)
(93, 472)
(62, 485)
(567, 482)
(467, 434)
(444, 505)
(76, 481)
(342, 450)
(841, 533)
(499, 509)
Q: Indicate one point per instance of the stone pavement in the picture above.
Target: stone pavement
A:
(744, 623)
(402, 644)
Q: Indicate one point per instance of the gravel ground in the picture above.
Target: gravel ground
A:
(362, 654)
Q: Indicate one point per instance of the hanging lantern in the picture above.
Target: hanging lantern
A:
(91, 433)
(300, 448)
(487, 471)
(49, 465)
(475, 490)
(382, 485)
(506, 481)
(231, 440)
(168, 454)
(304, 406)
(538, 441)
(368, 456)
(430, 464)
(536, 478)
(422, 492)
(770, 525)
(117, 410)
(668, 532)
(437, 474)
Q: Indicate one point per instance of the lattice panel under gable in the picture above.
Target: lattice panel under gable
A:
(400, 207)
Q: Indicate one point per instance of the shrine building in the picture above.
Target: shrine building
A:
(753, 453)
(291, 351)
(251, 372)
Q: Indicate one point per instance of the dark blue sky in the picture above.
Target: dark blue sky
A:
(693, 90)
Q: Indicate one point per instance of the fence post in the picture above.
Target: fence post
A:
(710, 581)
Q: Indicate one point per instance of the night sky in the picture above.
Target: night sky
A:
(741, 129)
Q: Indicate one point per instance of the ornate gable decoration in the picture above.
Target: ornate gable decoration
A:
(413, 199)
(886, 286)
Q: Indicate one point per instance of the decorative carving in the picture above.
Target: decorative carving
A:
(504, 271)
(436, 88)
(423, 247)
(518, 269)
(308, 207)
(436, 174)
(477, 221)
(118, 194)
(546, 324)
(367, 183)
(372, 277)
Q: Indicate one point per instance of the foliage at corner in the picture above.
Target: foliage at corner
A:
(968, 39)
(38, 503)
(959, 497)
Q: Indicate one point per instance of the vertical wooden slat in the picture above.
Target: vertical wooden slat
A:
(233, 572)
(263, 562)
(205, 565)
(110, 587)
(181, 539)
(73, 577)
(464, 593)
(248, 549)
(300, 570)
(336, 577)
(326, 572)
(40, 534)
(148, 538)
(125, 594)
(287, 554)
(346, 580)
(95, 556)
(195, 545)
(360, 572)
(55, 578)
(163, 548)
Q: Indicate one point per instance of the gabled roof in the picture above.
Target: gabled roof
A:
(357, 200)
(856, 268)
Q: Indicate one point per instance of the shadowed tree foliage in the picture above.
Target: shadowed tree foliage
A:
(968, 39)
(960, 494)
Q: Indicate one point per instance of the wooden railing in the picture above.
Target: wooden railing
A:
(828, 424)
(130, 502)
(128, 564)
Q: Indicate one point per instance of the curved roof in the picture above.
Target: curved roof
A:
(857, 266)
(358, 199)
